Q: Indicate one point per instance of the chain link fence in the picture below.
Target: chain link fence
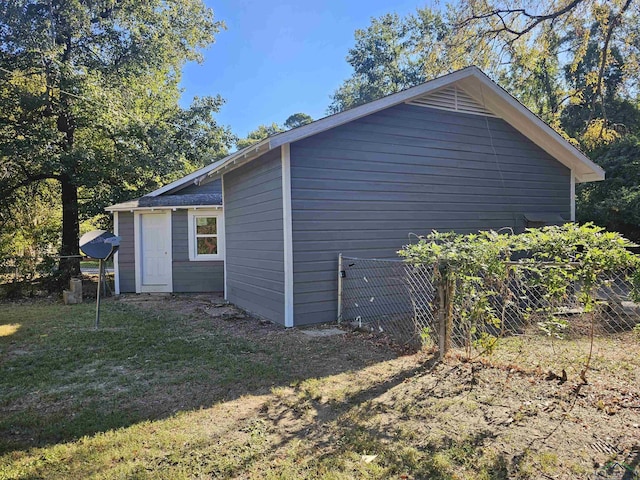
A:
(531, 303)
(389, 297)
(405, 302)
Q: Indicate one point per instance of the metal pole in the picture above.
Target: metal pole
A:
(340, 273)
(98, 294)
(104, 281)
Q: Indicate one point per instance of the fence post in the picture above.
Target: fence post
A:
(449, 294)
(340, 277)
(446, 293)
(441, 324)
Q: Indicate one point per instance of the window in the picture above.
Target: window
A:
(206, 235)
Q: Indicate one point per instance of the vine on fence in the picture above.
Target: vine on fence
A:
(472, 270)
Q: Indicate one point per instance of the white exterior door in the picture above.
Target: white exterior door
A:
(153, 246)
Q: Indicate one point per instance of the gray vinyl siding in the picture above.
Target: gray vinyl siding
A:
(213, 186)
(363, 187)
(191, 276)
(126, 253)
(254, 236)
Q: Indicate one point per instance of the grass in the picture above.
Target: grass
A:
(95, 263)
(94, 381)
(160, 394)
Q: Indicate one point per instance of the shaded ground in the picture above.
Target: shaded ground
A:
(48, 288)
(187, 387)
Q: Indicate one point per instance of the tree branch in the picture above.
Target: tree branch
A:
(28, 181)
(535, 20)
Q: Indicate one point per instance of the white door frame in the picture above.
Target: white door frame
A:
(137, 226)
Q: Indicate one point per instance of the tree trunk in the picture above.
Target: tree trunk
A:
(70, 229)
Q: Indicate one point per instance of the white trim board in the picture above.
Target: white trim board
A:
(136, 250)
(116, 257)
(234, 161)
(224, 218)
(185, 181)
(288, 235)
(137, 222)
(163, 208)
(198, 176)
(573, 197)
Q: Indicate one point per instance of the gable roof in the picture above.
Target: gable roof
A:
(473, 82)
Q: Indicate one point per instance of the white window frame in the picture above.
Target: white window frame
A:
(193, 255)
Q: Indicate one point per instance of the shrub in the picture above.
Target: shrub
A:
(474, 269)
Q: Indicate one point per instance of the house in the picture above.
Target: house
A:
(266, 224)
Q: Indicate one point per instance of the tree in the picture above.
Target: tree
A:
(297, 120)
(615, 202)
(31, 228)
(260, 133)
(88, 99)
(596, 38)
(263, 131)
(394, 53)
(534, 75)
(386, 58)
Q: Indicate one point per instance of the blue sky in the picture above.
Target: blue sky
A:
(280, 57)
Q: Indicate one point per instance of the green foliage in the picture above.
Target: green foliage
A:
(384, 61)
(534, 75)
(552, 260)
(554, 326)
(592, 248)
(635, 282)
(471, 254)
(263, 131)
(471, 268)
(485, 343)
(427, 336)
(394, 53)
(615, 202)
(31, 232)
(260, 133)
(89, 99)
(297, 120)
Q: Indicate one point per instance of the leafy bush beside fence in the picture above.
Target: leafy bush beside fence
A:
(482, 279)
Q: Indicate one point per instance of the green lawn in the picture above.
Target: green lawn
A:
(136, 367)
(95, 263)
(165, 390)
(142, 395)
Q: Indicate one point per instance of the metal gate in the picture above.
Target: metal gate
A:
(389, 297)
